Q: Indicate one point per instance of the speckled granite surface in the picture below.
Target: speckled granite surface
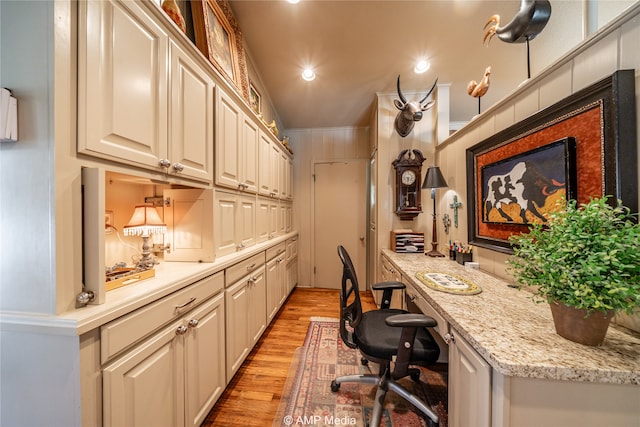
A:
(516, 335)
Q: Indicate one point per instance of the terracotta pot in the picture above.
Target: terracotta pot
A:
(572, 324)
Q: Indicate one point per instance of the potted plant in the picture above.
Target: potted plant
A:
(585, 263)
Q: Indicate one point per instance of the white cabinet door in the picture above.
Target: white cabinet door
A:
(390, 274)
(204, 359)
(122, 83)
(469, 385)
(276, 285)
(225, 224)
(191, 117)
(228, 127)
(257, 304)
(146, 386)
(236, 307)
(189, 225)
(283, 175)
(249, 155)
(246, 221)
(276, 165)
(262, 220)
(264, 165)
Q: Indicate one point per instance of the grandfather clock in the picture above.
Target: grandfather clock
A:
(408, 167)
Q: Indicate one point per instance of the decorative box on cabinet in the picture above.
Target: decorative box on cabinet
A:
(168, 378)
(246, 309)
(163, 124)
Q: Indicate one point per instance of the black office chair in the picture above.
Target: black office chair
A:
(382, 336)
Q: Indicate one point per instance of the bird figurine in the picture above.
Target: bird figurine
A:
(526, 25)
(173, 11)
(476, 89)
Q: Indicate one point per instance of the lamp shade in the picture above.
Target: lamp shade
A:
(144, 221)
(434, 178)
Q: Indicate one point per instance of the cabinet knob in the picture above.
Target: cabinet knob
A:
(165, 163)
(449, 338)
(193, 323)
(178, 167)
(181, 330)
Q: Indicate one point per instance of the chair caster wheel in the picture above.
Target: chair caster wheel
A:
(364, 361)
(335, 386)
(415, 376)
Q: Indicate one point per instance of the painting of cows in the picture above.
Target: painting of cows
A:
(526, 188)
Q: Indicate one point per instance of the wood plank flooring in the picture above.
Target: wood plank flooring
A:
(252, 396)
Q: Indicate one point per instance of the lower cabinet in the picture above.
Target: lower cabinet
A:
(390, 274)
(276, 280)
(469, 385)
(174, 377)
(246, 317)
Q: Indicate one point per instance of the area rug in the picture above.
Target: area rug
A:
(307, 398)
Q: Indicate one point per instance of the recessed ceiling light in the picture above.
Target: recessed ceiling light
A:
(308, 74)
(421, 66)
(293, 1)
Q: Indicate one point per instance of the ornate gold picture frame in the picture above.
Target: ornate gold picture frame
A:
(219, 38)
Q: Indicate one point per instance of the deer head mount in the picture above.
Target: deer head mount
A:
(410, 112)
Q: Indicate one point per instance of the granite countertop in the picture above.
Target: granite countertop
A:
(515, 335)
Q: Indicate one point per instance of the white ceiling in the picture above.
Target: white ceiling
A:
(359, 47)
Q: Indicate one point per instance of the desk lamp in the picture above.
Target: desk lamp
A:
(433, 180)
(144, 222)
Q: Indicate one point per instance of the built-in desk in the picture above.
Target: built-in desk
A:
(535, 377)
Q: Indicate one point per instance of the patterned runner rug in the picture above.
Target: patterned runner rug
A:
(307, 398)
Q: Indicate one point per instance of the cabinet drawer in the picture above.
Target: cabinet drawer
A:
(241, 269)
(276, 250)
(121, 333)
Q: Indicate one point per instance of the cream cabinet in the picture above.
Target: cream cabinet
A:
(265, 166)
(175, 375)
(292, 263)
(276, 279)
(141, 100)
(236, 147)
(246, 310)
(469, 384)
(235, 222)
(390, 274)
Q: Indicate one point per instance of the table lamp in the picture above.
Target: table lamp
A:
(433, 180)
(144, 222)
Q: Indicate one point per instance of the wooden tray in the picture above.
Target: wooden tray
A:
(130, 276)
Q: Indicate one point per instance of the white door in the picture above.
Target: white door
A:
(340, 195)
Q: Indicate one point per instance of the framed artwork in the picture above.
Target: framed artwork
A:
(593, 134)
(527, 187)
(254, 98)
(219, 38)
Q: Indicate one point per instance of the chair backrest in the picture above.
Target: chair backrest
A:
(350, 305)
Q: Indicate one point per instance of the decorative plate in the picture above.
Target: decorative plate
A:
(447, 283)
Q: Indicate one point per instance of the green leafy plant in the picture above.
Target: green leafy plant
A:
(586, 257)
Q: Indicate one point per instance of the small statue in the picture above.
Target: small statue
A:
(476, 89)
(173, 11)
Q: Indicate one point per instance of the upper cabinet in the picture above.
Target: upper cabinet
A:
(236, 147)
(141, 99)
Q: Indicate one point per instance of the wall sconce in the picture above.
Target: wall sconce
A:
(144, 222)
(433, 180)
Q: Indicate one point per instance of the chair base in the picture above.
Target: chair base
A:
(385, 383)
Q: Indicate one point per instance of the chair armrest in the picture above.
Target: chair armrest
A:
(387, 285)
(411, 320)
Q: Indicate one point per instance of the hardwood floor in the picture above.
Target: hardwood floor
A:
(252, 396)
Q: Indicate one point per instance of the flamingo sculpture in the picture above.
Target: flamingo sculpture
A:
(525, 26)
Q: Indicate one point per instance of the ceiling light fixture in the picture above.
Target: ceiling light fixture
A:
(308, 74)
(294, 1)
(421, 66)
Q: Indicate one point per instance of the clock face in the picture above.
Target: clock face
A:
(408, 177)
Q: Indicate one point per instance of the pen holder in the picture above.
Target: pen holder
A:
(452, 254)
(462, 257)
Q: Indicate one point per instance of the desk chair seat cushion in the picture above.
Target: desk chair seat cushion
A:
(376, 339)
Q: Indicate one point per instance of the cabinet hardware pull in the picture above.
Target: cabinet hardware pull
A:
(181, 330)
(251, 267)
(193, 323)
(178, 167)
(413, 298)
(164, 163)
(181, 306)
